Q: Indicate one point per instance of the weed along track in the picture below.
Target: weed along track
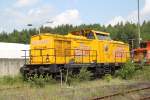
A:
(145, 98)
(124, 93)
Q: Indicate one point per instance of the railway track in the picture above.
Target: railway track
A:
(145, 98)
(124, 93)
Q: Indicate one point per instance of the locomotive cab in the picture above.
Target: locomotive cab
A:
(91, 34)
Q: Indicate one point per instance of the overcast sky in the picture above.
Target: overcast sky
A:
(15, 14)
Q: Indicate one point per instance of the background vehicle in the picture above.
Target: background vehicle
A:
(142, 54)
(95, 50)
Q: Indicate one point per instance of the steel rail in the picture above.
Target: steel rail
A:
(123, 93)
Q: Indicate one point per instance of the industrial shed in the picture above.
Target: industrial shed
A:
(11, 58)
(12, 50)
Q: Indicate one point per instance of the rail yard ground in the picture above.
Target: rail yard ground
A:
(17, 89)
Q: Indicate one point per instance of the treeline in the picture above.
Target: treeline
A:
(123, 32)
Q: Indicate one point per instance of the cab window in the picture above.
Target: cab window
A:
(90, 35)
(103, 37)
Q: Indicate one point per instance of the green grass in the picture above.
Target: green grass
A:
(142, 75)
(77, 91)
(127, 71)
(11, 82)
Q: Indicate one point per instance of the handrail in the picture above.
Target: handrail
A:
(92, 55)
(41, 55)
(82, 55)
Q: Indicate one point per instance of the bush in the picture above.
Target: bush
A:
(84, 75)
(107, 77)
(37, 81)
(127, 71)
(71, 78)
(49, 79)
(40, 81)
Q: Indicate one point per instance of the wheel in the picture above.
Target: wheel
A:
(41, 70)
(99, 72)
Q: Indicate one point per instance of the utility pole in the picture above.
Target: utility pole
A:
(39, 29)
(139, 31)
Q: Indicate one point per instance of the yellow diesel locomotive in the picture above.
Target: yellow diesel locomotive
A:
(50, 53)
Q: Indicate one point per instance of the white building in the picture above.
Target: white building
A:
(12, 50)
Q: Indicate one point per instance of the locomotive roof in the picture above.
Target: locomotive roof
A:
(76, 32)
(87, 30)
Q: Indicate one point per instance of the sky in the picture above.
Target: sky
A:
(16, 14)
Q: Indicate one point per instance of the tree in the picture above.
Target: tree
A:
(121, 32)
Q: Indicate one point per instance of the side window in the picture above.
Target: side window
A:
(90, 35)
(103, 37)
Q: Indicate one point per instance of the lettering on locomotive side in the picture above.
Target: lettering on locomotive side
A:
(39, 42)
(82, 50)
(120, 52)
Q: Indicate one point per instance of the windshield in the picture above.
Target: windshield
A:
(90, 35)
(103, 37)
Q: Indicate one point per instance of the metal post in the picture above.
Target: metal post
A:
(25, 58)
(139, 31)
(39, 30)
(61, 76)
(67, 75)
